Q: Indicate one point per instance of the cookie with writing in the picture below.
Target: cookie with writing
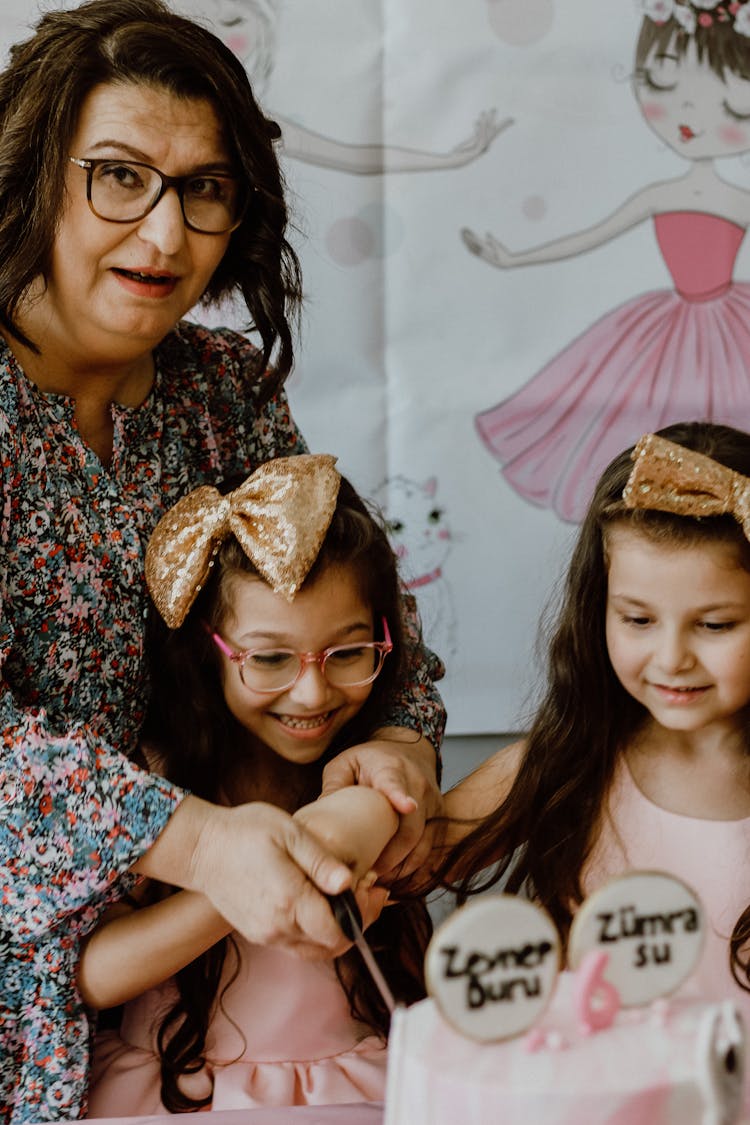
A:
(491, 967)
(650, 925)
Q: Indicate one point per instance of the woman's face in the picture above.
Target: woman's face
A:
(697, 113)
(114, 290)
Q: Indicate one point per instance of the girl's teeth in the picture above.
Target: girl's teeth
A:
(304, 724)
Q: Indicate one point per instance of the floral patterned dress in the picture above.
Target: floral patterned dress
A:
(75, 813)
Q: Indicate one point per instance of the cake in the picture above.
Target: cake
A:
(506, 1038)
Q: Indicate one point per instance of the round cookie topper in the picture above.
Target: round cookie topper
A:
(491, 967)
(651, 927)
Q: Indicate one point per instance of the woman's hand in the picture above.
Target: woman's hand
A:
(405, 772)
(262, 870)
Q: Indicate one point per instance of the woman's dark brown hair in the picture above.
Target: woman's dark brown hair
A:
(138, 42)
(200, 744)
(541, 836)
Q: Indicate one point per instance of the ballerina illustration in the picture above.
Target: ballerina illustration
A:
(668, 355)
(249, 29)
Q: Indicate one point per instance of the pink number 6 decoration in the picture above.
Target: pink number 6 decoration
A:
(596, 1000)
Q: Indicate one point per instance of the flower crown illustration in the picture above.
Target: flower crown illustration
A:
(691, 14)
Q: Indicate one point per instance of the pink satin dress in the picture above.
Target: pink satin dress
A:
(282, 1035)
(666, 356)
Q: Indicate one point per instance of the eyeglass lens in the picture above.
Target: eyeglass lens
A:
(123, 192)
(345, 666)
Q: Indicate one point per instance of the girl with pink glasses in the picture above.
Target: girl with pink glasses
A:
(286, 645)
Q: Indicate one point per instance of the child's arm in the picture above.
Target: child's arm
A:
(479, 793)
(354, 823)
(133, 949)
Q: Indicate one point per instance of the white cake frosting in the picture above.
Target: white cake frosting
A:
(670, 1064)
(506, 1040)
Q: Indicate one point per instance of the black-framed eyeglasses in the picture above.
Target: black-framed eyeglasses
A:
(278, 669)
(123, 191)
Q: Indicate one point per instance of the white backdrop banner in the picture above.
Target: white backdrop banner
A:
(476, 394)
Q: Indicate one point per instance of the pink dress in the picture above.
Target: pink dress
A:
(283, 1035)
(664, 357)
(711, 856)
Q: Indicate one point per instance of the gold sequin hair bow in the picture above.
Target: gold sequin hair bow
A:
(669, 478)
(279, 515)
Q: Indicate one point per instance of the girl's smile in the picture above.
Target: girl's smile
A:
(680, 696)
(304, 726)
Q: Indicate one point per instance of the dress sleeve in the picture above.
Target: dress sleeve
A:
(247, 427)
(74, 815)
(74, 812)
(419, 706)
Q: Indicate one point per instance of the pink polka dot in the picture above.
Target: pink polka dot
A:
(534, 207)
(520, 22)
(350, 241)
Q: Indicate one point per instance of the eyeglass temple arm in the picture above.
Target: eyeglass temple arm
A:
(222, 644)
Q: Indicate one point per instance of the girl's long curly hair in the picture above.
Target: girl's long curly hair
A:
(541, 836)
(198, 747)
(141, 43)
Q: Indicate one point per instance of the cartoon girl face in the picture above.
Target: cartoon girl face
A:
(699, 114)
(248, 27)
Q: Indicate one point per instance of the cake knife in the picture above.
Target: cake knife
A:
(347, 914)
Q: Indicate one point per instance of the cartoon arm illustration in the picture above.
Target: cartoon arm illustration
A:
(639, 207)
(310, 147)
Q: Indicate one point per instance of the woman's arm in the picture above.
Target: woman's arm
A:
(134, 949)
(260, 869)
(73, 812)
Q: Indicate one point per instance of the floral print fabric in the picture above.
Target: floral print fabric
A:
(75, 813)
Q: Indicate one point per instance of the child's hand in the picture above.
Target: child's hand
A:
(404, 772)
(354, 824)
(371, 898)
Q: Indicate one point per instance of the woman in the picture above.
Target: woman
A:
(137, 176)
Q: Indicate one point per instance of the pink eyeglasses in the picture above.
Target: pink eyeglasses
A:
(278, 669)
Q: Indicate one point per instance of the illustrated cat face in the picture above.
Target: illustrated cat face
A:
(417, 524)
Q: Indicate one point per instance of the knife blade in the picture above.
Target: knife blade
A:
(347, 914)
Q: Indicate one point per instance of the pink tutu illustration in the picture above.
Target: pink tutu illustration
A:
(669, 355)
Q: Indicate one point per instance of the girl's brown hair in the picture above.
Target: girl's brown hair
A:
(541, 836)
(199, 745)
